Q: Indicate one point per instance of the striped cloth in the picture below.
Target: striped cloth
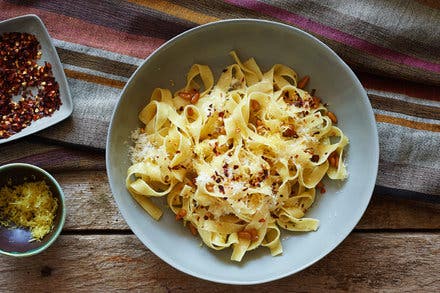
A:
(393, 46)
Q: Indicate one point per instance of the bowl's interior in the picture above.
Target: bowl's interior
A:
(16, 240)
(33, 25)
(338, 210)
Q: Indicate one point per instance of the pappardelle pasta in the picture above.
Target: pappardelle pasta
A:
(239, 159)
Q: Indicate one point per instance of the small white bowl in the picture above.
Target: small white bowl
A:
(338, 210)
(32, 24)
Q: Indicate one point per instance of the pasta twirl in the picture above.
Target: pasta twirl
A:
(237, 160)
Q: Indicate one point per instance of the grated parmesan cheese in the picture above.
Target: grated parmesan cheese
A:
(203, 179)
(30, 205)
(237, 187)
(142, 148)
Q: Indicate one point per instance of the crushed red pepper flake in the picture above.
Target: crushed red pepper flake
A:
(314, 158)
(19, 70)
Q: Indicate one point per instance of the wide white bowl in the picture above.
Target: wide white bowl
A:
(338, 210)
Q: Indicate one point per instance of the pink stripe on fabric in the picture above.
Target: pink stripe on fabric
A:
(335, 34)
(81, 32)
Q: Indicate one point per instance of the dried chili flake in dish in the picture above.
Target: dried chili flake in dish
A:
(20, 74)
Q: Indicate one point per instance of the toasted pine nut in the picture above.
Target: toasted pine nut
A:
(255, 105)
(192, 229)
(332, 117)
(303, 82)
(321, 187)
(191, 183)
(244, 235)
(316, 102)
(254, 234)
(185, 95)
(290, 131)
(333, 159)
(181, 214)
(195, 98)
(210, 187)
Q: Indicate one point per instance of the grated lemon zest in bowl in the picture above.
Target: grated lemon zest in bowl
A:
(29, 205)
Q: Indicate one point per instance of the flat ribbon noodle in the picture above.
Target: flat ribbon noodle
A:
(240, 161)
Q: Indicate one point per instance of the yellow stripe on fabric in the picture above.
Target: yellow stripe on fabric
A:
(95, 79)
(176, 10)
(408, 123)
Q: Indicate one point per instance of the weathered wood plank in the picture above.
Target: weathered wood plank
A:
(91, 206)
(50, 156)
(364, 262)
(388, 212)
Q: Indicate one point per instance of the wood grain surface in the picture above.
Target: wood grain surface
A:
(395, 246)
(365, 261)
(50, 156)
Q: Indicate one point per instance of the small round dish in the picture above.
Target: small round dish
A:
(15, 241)
(269, 43)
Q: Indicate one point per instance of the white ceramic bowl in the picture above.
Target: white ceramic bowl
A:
(338, 210)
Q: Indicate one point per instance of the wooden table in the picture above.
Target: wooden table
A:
(396, 246)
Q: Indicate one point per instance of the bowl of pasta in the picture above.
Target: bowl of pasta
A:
(242, 151)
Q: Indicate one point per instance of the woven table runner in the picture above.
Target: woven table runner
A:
(393, 47)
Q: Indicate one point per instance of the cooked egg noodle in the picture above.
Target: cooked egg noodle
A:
(244, 159)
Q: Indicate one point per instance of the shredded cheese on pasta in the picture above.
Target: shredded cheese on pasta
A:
(237, 160)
